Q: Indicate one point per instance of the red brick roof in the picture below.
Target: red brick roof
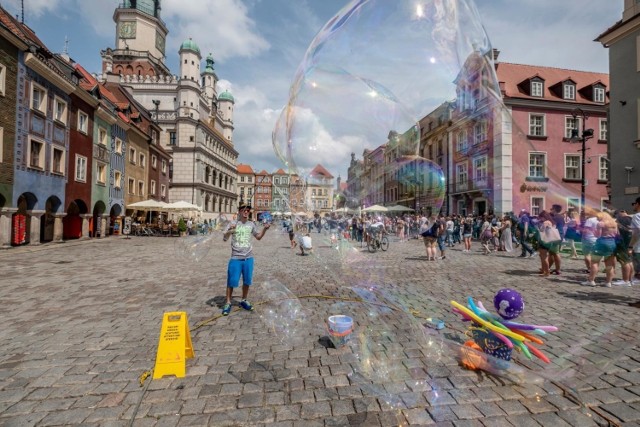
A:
(246, 169)
(279, 172)
(23, 32)
(263, 172)
(320, 170)
(87, 82)
(514, 77)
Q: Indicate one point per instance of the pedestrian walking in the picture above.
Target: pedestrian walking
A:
(241, 262)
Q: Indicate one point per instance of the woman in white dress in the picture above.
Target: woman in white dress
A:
(506, 243)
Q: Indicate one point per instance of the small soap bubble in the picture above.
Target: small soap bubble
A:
(281, 311)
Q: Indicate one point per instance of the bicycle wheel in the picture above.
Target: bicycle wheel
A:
(371, 246)
(384, 243)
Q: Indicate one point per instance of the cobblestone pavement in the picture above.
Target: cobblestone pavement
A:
(82, 321)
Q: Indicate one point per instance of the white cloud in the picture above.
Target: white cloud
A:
(33, 8)
(222, 27)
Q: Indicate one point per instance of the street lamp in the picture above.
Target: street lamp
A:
(582, 137)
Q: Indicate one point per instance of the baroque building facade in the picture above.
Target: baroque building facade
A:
(196, 121)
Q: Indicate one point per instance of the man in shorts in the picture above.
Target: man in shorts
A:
(241, 262)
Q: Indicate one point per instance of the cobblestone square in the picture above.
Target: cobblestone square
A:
(82, 323)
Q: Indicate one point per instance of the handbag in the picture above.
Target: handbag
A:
(550, 235)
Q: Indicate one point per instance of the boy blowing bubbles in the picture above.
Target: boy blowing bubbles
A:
(241, 262)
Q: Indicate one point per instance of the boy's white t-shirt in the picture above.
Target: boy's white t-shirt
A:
(305, 242)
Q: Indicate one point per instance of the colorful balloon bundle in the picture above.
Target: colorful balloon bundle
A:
(497, 336)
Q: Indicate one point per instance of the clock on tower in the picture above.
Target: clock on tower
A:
(127, 30)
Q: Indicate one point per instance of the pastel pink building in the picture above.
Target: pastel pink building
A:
(529, 155)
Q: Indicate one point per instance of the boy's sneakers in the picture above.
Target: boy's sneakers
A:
(588, 283)
(226, 309)
(246, 305)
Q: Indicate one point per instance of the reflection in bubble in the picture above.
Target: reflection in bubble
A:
(193, 248)
(281, 311)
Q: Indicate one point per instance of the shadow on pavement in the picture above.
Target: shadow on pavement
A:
(602, 297)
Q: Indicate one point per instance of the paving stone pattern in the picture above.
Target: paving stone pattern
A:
(82, 321)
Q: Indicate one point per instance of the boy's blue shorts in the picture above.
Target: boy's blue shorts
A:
(239, 267)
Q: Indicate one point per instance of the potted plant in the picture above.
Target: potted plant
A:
(182, 227)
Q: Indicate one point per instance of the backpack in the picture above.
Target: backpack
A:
(431, 231)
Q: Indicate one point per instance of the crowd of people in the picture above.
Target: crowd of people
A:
(604, 237)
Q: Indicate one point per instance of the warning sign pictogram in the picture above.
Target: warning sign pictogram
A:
(174, 346)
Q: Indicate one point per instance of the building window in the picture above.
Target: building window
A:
(154, 162)
(598, 95)
(1, 143)
(60, 112)
(537, 163)
(172, 138)
(132, 155)
(480, 169)
(57, 161)
(570, 123)
(536, 89)
(461, 141)
(603, 169)
(131, 187)
(537, 205)
(153, 188)
(461, 173)
(81, 168)
(118, 146)
(163, 190)
(480, 132)
(36, 154)
(604, 126)
(536, 125)
(276, 181)
(164, 166)
(572, 166)
(142, 160)
(242, 179)
(573, 203)
(101, 173)
(38, 98)
(140, 188)
(249, 179)
(102, 136)
(313, 192)
(569, 91)
(3, 78)
(83, 122)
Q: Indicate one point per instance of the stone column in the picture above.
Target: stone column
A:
(104, 225)
(58, 227)
(34, 233)
(85, 226)
(5, 227)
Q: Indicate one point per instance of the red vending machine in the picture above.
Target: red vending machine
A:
(19, 229)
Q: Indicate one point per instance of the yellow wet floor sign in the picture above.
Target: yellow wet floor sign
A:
(174, 346)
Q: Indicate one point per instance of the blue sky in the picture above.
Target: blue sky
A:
(258, 44)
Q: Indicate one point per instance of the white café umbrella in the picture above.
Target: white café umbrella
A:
(182, 206)
(287, 214)
(148, 205)
(375, 208)
(399, 208)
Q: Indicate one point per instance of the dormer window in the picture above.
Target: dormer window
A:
(569, 91)
(536, 88)
(598, 95)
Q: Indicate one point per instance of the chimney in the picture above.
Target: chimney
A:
(495, 54)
